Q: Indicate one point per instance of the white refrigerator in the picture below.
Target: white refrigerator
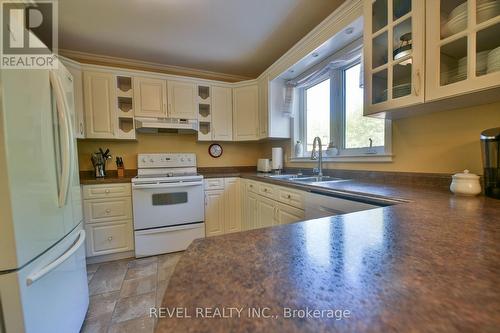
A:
(43, 278)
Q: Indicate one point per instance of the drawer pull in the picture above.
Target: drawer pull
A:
(289, 196)
(110, 238)
(107, 191)
(265, 190)
(251, 186)
(108, 211)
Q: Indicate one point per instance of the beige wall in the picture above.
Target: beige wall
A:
(440, 142)
(235, 154)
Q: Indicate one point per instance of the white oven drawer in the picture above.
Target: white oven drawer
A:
(168, 204)
(105, 210)
(165, 240)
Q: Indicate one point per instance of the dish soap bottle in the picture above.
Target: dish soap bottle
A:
(299, 149)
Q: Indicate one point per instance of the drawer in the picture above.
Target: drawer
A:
(214, 184)
(107, 238)
(268, 190)
(252, 187)
(107, 191)
(291, 197)
(106, 210)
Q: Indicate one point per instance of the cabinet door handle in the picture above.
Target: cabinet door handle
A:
(108, 211)
(107, 191)
(289, 196)
(110, 238)
(418, 84)
(81, 128)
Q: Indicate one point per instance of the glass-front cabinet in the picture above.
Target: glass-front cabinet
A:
(463, 47)
(393, 54)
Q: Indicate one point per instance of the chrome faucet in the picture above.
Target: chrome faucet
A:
(318, 156)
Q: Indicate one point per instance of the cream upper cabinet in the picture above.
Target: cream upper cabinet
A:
(79, 120)
(182, 100)
(100, 104)
(394, 53)
(150, 97)
(222, 113)
(245, 113)
(232, 193)
(214, 212)
(463, 47)
(263, 106)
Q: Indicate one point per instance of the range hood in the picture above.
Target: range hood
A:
(153, 125)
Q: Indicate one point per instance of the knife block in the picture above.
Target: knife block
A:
(121, 172)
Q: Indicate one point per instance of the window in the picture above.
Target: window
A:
(317, 99)
(332, 108)
(359, 130)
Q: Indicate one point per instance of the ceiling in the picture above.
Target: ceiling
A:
(238, 37)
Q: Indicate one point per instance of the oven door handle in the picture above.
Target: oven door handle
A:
(166, 185)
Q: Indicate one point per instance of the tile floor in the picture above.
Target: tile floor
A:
(121, 293)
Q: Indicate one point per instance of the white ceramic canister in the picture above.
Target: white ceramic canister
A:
(465, 183)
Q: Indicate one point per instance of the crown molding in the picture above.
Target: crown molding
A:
(103, 60)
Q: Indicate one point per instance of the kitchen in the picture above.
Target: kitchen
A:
(338, 171)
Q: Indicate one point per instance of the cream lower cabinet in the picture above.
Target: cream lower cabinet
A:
(266, 212)
(108, 219)
(222, 206)
(287, 214)
(265, 205)
(214, 212)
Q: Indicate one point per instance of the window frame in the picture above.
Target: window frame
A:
(338, 122)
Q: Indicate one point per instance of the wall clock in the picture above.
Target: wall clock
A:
(215, 150)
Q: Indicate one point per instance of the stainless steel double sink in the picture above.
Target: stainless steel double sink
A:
(307, 179)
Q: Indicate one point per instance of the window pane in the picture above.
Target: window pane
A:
(318, 113)
(359, 129)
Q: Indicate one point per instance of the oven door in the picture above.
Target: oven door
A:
(167, 204)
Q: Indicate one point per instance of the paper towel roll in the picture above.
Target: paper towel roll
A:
(277, 161)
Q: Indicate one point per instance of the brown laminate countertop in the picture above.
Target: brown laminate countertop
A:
(431, 264)
(88, 177)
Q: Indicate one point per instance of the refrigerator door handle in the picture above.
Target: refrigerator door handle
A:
(33, 277)
(67, 150)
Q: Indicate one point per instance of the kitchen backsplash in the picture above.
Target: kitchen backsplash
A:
(234, 154)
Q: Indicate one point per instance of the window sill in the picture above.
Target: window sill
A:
(365, 158)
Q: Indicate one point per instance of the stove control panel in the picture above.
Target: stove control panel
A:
(177, 160)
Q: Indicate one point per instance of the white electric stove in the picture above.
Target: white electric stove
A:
(168, 203)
